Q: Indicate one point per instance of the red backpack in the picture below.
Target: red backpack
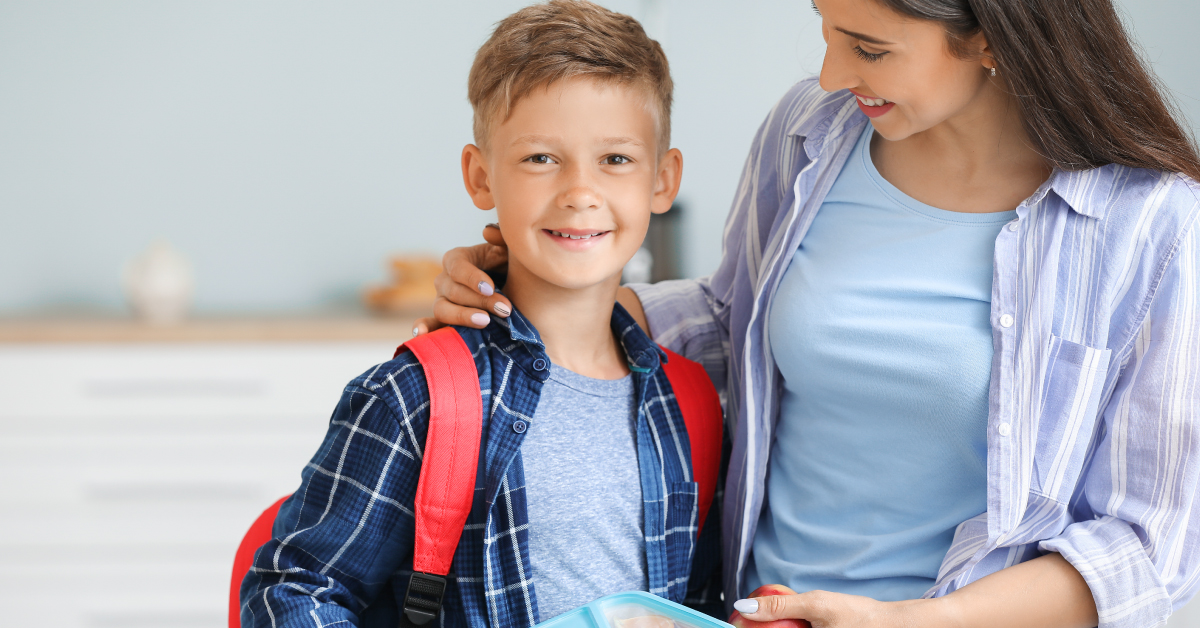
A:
(447, 483)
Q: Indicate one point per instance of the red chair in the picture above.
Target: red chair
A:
(258, 534)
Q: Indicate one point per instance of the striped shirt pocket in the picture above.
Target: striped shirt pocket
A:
(1075, 375)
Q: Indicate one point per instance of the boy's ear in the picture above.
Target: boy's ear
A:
(666, 181)
(475, 177)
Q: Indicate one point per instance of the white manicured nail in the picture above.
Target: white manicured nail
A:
(501, 309)
(485, 289)
(416, 331)
(746, 607)
(480, 318)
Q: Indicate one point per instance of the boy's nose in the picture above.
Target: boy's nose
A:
(581, 194)
(581, 198)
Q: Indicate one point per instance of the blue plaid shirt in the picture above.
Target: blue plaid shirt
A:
(342, 546)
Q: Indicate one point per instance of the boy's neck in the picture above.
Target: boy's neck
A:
(574, 323)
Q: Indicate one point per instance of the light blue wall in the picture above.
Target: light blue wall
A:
(288, 147)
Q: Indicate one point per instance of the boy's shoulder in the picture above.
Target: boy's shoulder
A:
(400, 382)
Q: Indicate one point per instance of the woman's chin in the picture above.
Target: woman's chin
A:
(768, 589)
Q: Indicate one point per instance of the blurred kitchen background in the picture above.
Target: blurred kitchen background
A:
(241, 172)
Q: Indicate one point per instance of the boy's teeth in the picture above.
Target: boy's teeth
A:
(574, 237)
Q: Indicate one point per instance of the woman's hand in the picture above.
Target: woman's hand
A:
(465, 294)
(823, 609)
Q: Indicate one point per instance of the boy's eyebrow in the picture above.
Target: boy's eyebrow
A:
(866, 38)
(547, 139)
(616, 141)
(534, 139)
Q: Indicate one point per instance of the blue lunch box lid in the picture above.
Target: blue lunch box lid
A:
(617, 611)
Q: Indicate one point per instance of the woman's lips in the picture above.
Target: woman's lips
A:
(873, 107)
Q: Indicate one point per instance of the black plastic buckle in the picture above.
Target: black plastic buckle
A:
(423, 601)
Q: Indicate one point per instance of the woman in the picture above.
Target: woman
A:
(958, 334)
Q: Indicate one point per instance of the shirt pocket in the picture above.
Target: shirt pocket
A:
(1074, 380)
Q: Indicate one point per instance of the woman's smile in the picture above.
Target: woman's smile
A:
(873, 107)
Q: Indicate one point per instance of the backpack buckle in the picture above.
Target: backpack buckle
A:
(423, 601)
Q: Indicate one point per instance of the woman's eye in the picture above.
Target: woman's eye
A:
(869, 57)
(539, 159)
(617, 160)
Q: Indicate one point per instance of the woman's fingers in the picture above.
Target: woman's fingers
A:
(457, 304)
(464, 266)
(492, 235)
(824, 609)
(449, 313)
(458, 297)
(465, 293)
(773, 607)
(426, 325)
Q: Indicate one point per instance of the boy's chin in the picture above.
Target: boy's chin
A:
(580, 282)
(580, 278)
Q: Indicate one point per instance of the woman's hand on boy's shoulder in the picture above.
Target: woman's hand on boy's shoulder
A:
(465, 293)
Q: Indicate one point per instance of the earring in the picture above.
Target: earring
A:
(993, 70)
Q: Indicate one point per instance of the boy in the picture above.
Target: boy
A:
(582, 488)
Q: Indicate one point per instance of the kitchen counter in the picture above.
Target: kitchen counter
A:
(204, 330)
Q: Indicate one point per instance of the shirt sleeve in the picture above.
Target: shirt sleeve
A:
(339, 537)
(685, 317)
(1139, 551)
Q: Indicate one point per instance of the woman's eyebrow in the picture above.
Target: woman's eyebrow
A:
(866, 38)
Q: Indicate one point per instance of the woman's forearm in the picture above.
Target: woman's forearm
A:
(1046, 592)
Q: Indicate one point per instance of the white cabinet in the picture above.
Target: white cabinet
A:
(130, 472)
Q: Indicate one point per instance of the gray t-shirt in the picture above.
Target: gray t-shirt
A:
(584, 492)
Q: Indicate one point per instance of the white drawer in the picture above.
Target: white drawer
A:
(132, 471)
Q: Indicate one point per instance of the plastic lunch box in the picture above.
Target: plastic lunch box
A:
(635, 609)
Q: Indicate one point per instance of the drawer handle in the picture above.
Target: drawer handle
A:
(174, 388)
(125, 492)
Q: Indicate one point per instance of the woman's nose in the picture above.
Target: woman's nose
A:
(837, 71)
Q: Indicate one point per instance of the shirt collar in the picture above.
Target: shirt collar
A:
(1085, 191)
(844, 115)
(641, 352)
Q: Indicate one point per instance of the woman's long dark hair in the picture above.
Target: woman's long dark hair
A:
(1087, 98)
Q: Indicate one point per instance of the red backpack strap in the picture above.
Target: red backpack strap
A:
(447, 483)
(701, 409)
(257, 536)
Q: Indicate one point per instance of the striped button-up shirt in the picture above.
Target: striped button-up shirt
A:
(1092, 432)
(345, 538)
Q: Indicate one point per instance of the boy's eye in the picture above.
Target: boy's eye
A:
(539, 159)
(617, 160)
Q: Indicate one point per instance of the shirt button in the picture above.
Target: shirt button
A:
(1012, 226)
(520, 426)
(1004, 428)
(1006, 320)
(539, 365)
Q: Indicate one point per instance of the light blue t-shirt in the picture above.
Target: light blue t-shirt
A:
(880, 328)
(584, 492)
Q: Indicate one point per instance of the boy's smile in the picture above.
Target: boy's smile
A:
(574, 174)
(575, 239)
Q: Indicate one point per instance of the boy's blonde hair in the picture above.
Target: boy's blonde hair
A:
(561, 39)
